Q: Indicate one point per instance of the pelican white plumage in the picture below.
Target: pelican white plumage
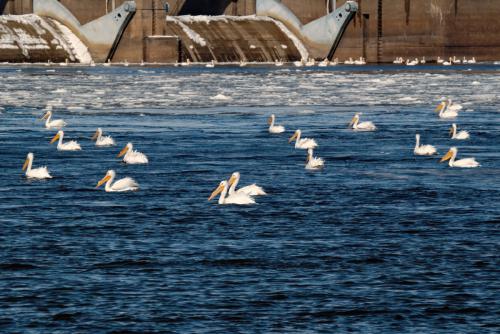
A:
(313, 162)
(101, 140)
(439, 60)
(413, 62)
(52, 124)
(210, 64)
(251, 190)
(360, 61)
(349, 61)
(462, 163)
(462, 135)
(324, 63)
(132, 157)
(444, 111)
(274, 128)
(454, 106)
(236, 198)
(69, 146)
(125, 184)
(423, 149)
(472, 61)
(278, 63)
(302, 143)
(448, 63)
(363, 126)
(37, 173)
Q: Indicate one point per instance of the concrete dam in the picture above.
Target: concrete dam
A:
(158, 31)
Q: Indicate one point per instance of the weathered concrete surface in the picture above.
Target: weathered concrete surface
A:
(233, 39)
(385, 29)
(30, 38)
(162, 49)
(406, 28)
(100, 35)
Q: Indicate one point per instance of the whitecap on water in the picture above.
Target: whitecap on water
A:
(476, 83)
(407, 98)
(221, 97)
(75, 108)
(60, 91)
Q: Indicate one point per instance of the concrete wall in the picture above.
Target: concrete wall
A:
(386, 29)
(381, 30)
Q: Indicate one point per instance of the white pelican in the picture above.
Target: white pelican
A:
(423, 149)
(131, 156)
(302, 143)
(274, 128)
(313, 162)
(278, 63)
(423, 61)
(324, 63)
(251, 190)
(448, 63)
(37, 173)
(101, 140)
(413, 62)
(458, 135)
(463, 163)
(472, 61)
(349, 62)
(211, 64)
(237, 198)
(69, 146)
(454, 106)
(439, 60)
(125, 184)
(398, 60)
(444, 112)
(50, 124)
(360, 61)
(363, 126)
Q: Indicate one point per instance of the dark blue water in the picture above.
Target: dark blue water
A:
(380, 241)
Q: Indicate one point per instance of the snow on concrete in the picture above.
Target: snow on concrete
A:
(79, 50)
(193, 35)
(189, 19)
(30, 32)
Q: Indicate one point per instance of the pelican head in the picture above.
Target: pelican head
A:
(109, 175)
(295, 136)
(354, 119)
(29, 158)
(97, 134)
(47, 114)
(452, 152)
(440, 106)
(270, 120)
(58, 135)
(234, 177)
(453, 129)
(218, 190)
(127, 148)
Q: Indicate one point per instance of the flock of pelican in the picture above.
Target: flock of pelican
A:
(130, 156)
(244, 196)
(227, 189)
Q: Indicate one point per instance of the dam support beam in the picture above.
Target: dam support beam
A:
(101, 35)
(321, 36)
